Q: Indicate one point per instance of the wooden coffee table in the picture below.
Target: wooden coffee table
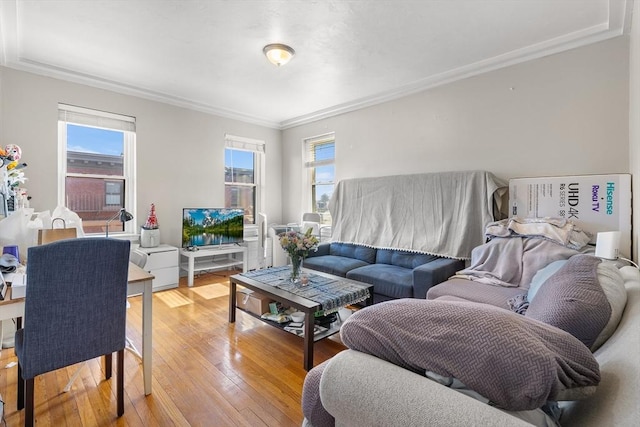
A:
(289, 299)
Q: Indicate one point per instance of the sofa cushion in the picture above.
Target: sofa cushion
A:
(349, 250)
(516, 362)
(312, 407)
(388, 280)
(612, 284)
(470, 290)
(573, 300)
(322, 249)
(332, 264)
(541, 276)
(402, 258)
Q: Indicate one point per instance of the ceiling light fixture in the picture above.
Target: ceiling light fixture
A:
(278, 54)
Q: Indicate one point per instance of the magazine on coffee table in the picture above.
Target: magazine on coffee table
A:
(299, 331)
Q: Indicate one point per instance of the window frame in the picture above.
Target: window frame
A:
(86, 117)
(257, 147)
(310, 166)
(108, 184)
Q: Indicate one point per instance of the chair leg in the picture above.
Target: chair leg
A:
(20, 402)
(108, 362)
(120, 385)
(29, 409)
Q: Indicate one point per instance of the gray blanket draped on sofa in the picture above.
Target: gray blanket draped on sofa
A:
(441, 214)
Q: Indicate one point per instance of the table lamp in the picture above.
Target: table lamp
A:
(122, 215)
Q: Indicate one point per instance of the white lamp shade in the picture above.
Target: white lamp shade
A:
(608, 244)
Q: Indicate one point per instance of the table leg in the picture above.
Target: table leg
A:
(309, 323)
(146, 336)
(232, 301)
(245, 263)
(190, 272)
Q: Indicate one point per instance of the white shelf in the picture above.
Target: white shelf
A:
(213, 264)
(217, 258)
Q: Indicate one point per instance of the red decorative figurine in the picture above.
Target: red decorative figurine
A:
(150, 232)
(152, 221)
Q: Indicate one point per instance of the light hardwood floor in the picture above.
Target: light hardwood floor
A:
(206, 372)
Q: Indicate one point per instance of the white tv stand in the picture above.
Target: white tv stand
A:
(210, 259)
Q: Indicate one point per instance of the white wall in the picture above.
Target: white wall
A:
(634, 119)
(567, 114)
(558, 115)
(179, 151)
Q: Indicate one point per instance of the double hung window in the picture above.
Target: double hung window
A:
(320, 164)
(96, 167)
(243, 175)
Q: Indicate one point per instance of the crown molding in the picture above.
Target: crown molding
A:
(88, 80)
(581, 38)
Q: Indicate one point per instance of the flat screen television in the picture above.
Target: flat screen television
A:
(211, 226)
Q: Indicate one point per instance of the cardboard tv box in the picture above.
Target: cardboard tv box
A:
(252, 302)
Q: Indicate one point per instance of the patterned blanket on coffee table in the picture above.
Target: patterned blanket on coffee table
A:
(330, 293)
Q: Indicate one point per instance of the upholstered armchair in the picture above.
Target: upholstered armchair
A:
(75, 310)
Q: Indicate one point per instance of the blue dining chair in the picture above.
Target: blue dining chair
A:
(75, 310)
(139, 259)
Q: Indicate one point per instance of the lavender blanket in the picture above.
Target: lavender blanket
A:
(515, 362)
(513, 261)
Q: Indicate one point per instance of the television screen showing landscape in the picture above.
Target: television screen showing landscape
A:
(211, 226)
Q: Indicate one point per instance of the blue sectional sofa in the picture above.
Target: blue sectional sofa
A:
(393, 273)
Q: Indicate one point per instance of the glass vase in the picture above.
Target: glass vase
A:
(296, 268)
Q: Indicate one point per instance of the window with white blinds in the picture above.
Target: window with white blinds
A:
(96, 167)
(244, 175)
(320, 163)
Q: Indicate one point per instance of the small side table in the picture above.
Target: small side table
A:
(163, 263)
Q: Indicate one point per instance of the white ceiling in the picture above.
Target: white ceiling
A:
(207, 54)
